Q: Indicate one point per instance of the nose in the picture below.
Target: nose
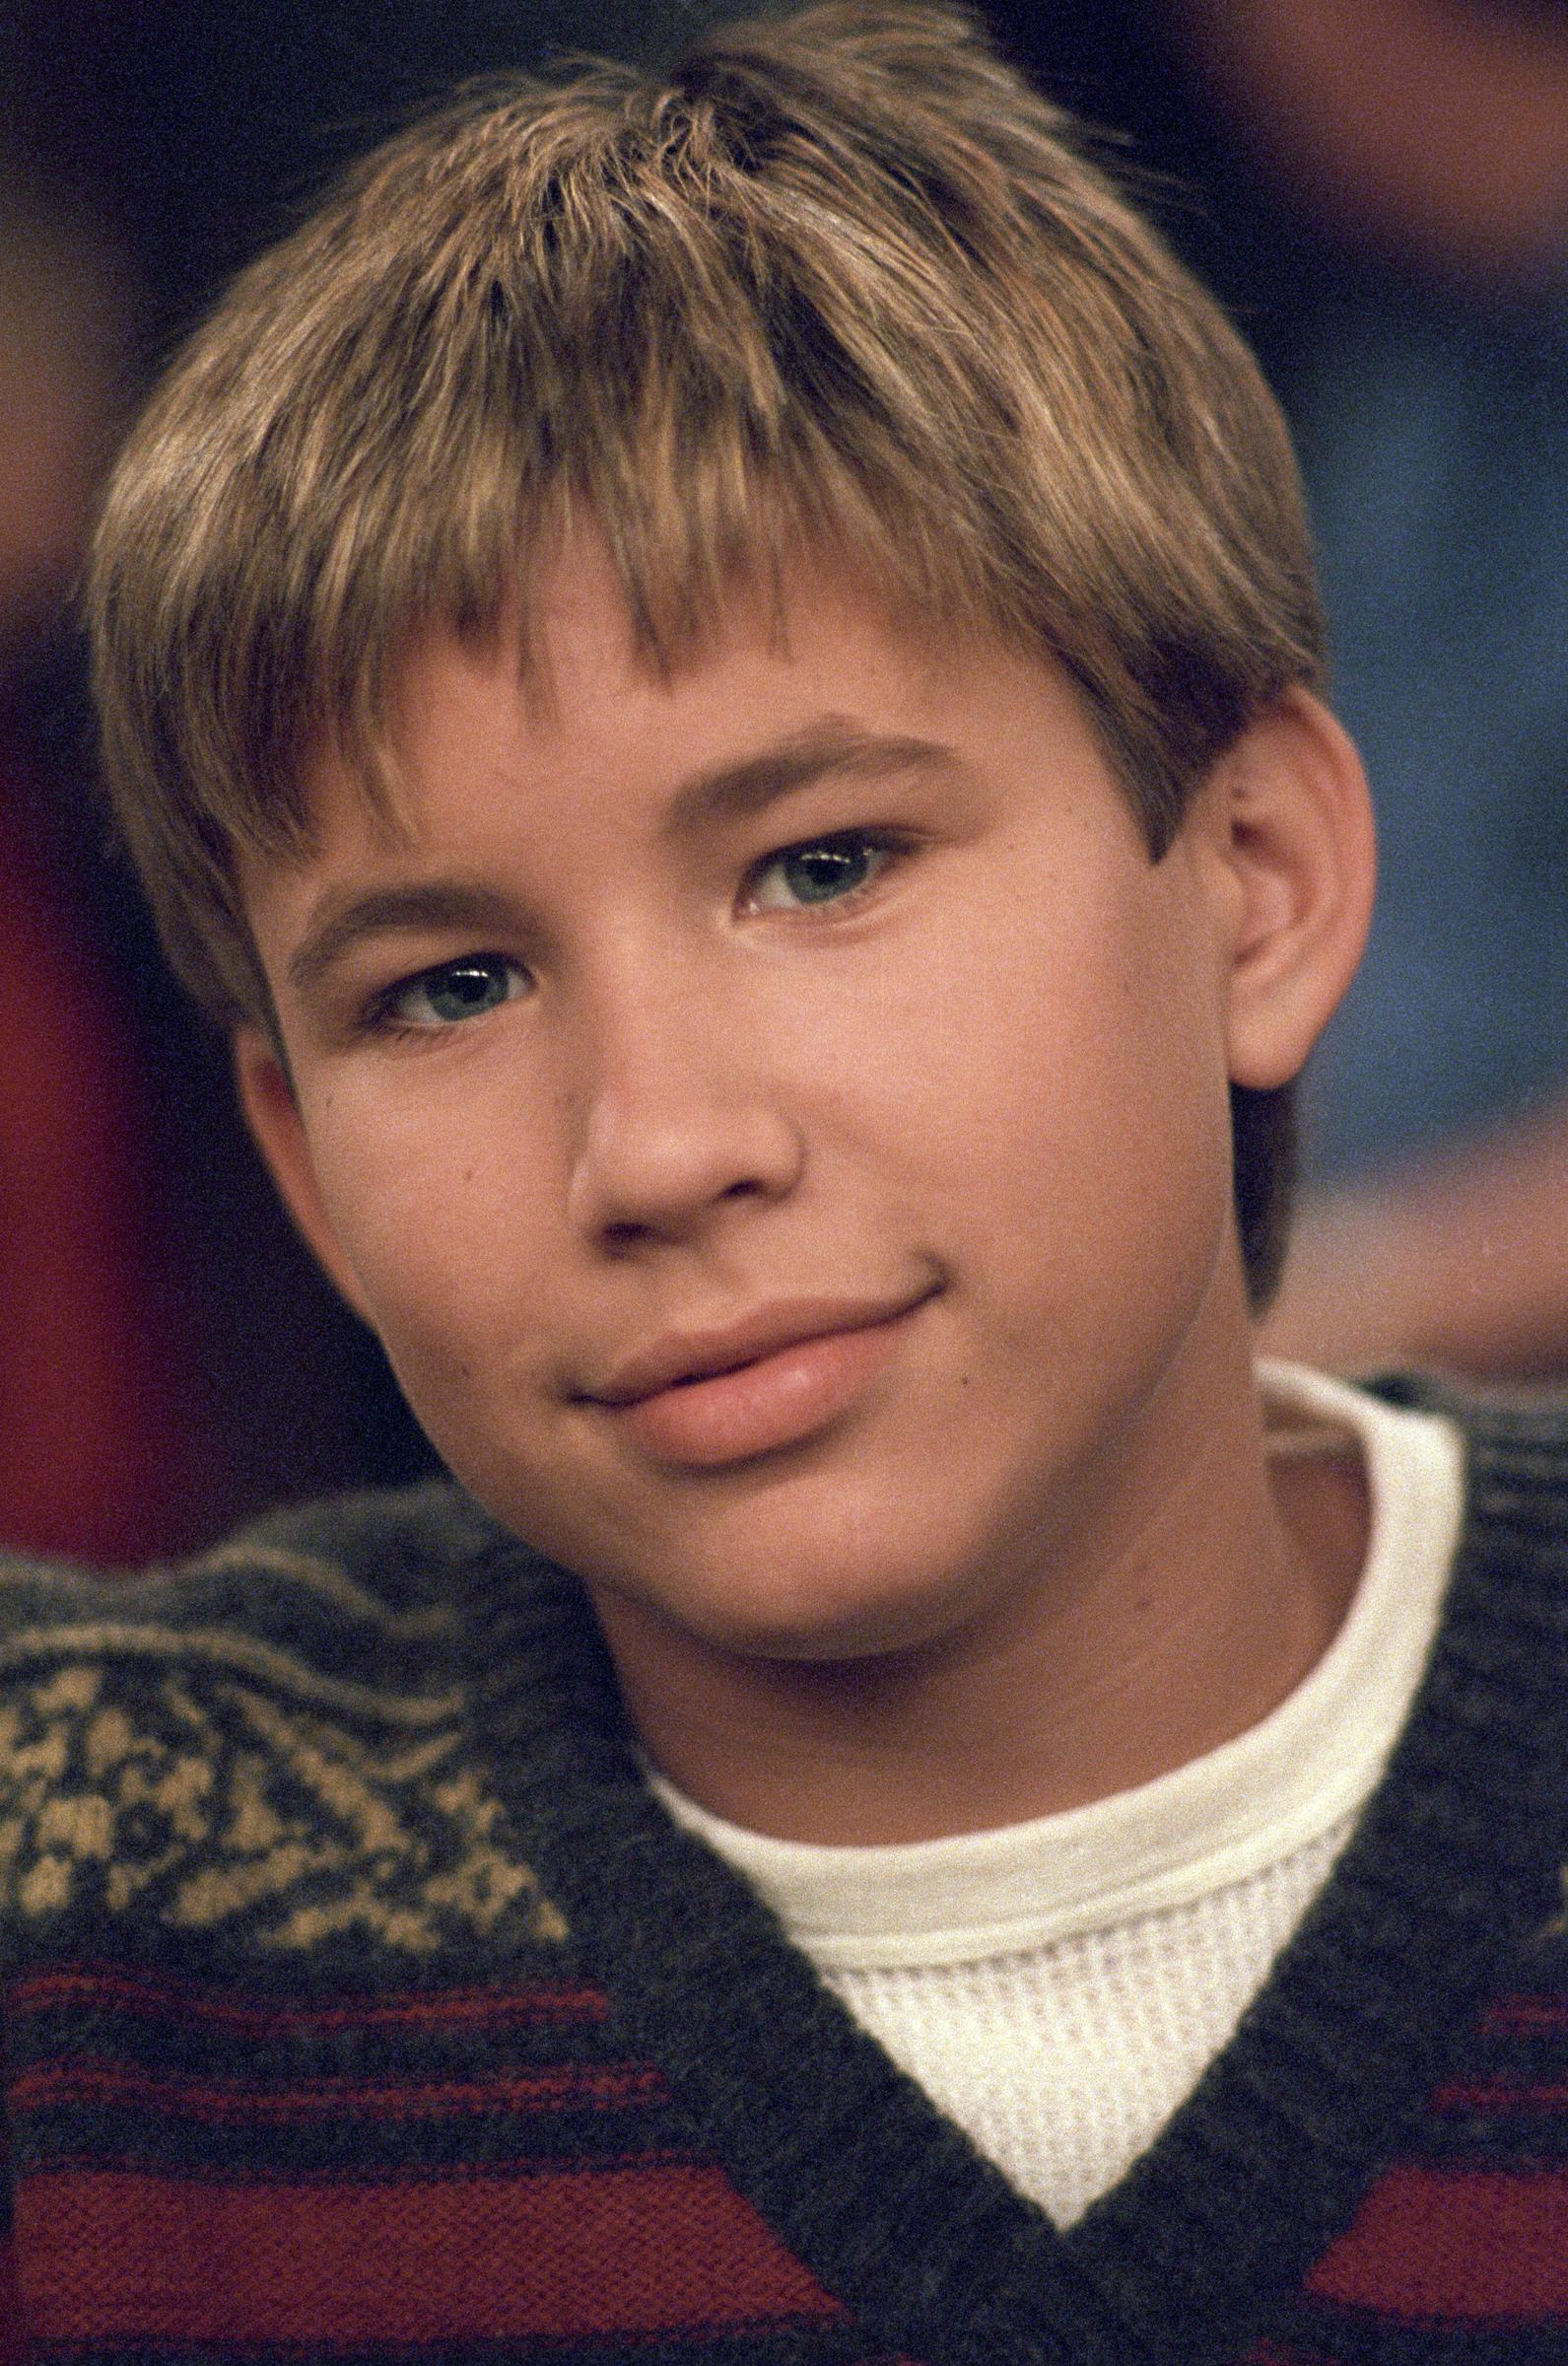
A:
(680, 1119)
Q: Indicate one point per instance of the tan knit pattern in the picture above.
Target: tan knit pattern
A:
(205, 1804)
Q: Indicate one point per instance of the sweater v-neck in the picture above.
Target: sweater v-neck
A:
(1454, 1865)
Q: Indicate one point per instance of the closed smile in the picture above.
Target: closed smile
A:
(706, 1398)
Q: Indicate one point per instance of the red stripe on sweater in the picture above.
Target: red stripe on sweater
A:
(1464, 2245)
(1502, 2095)
(556, 2088)
(13, 2334)
(1527, 2017)
(106, 2256)
(463, 2008)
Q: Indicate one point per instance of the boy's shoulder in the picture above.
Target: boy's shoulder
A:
(352, 1600)
(268, 1744)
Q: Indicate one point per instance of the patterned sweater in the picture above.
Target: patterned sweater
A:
(360, 2003)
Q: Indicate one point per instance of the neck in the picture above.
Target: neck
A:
(1180, 1614)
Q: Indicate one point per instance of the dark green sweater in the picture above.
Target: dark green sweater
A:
(360, 2003)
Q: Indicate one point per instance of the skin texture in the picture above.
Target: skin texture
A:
(948, 1095)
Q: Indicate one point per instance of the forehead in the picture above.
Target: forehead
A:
(574, 677)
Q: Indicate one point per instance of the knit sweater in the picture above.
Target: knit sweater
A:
(360, 2002)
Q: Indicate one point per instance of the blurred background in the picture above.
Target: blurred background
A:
(1377, 189)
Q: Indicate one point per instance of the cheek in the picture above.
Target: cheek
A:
(436, 1212)
(1074, 1101)
(1068, 1041)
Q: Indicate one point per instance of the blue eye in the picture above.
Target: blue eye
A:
(820, 870)
(453, 991)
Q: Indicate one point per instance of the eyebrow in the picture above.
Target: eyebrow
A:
(346, 919)
(826, 748)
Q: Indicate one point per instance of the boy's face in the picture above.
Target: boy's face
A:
(775, 1118)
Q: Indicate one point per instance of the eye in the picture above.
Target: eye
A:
(452, 992)
(819, 870)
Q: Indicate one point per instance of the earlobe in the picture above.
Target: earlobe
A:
(1294, 821)
(267, 1097)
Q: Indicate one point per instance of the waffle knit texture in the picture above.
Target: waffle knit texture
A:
(361, 2003)
(1059, 1986)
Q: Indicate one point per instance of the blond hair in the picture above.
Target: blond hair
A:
(840, 279)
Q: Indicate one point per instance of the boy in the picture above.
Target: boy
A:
(715, 681)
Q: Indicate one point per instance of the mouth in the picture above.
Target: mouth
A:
(704, 1399)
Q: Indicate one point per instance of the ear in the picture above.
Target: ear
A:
(1288, 815)
(266, 1096)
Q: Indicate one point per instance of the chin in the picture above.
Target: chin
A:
(777, 1566)
(813, 1615)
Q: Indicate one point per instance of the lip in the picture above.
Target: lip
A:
(706, 1398)
(687, 1355)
